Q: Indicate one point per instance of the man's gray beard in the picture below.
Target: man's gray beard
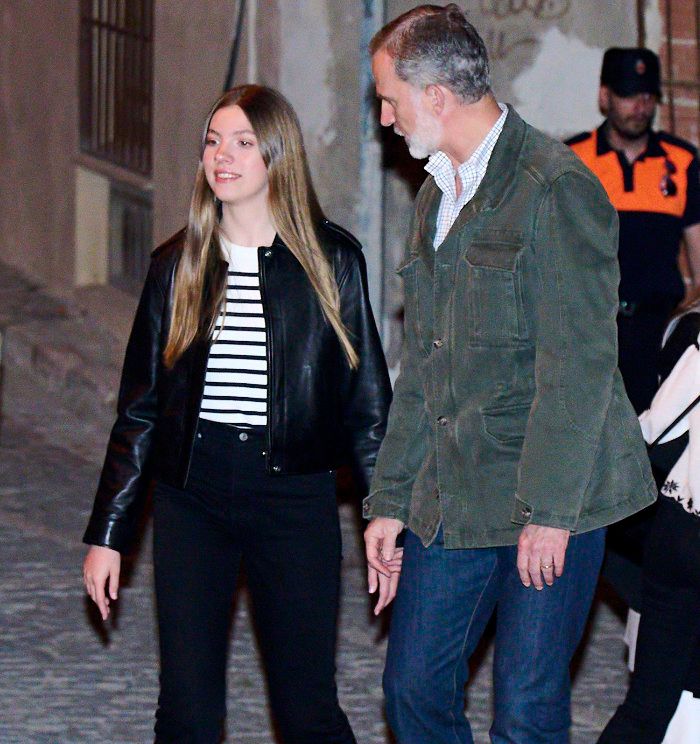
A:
(419, 150)
(425, 140)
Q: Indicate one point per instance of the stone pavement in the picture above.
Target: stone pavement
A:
(64, 677)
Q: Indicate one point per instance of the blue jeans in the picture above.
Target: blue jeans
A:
(444, 601)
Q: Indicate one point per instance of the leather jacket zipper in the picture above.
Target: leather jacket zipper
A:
(262, 254)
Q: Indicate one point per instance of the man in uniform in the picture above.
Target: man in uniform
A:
(510, 443)
(653, 180)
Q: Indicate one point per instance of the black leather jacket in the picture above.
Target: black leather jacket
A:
(321, 414)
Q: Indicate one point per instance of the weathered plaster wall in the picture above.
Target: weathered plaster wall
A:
(39, 136)
(190, 61)
(318, 64)
(556, 87)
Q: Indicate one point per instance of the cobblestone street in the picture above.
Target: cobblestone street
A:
(66, 678)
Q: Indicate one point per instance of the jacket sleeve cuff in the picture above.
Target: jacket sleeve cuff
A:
(106, 534)
(378, 504)
(525, 513)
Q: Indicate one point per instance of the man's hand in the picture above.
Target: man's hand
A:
(541, 552)
(383, 559)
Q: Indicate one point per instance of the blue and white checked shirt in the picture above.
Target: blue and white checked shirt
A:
(471, 173)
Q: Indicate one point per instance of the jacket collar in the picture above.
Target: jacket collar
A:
(499, 174)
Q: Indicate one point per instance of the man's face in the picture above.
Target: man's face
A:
(630, 116)
(406, 107)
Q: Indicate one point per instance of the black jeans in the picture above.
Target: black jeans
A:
(286, 530)
(668, 642)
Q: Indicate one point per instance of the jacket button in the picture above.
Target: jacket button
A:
(267, 253)
(442, 420)
(365, 509)
(243, 436)
(526, 511)
(276, 468)
(438, 343)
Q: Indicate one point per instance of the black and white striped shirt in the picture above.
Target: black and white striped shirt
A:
(235, 386)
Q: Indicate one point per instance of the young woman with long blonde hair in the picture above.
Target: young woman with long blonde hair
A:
(253, 371)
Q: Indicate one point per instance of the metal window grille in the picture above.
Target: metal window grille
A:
(116, 81)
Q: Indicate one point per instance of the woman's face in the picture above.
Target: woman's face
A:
(232, 161)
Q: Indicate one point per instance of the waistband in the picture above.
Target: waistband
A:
(229, 432)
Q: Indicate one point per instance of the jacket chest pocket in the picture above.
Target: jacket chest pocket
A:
(494, 302)
(418, 300)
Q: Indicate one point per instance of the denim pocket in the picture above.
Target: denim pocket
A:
(494, 290)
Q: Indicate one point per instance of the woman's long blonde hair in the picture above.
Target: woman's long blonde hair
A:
(200, 289)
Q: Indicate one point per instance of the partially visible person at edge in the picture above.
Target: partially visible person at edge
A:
(667, 656)
(511, 443)
(253, 371)
(653, 180)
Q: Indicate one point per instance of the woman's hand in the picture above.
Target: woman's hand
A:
(102, 565)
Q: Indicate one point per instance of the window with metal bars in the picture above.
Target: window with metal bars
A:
(116, 81)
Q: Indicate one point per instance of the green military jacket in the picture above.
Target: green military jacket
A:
(509, 408)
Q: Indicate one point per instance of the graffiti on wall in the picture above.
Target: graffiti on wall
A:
(511, 28)
(543, 10)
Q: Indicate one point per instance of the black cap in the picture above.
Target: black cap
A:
(630, 71)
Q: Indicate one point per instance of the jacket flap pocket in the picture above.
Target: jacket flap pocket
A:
(495, 249)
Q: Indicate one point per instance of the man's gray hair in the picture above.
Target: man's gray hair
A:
(435, 45)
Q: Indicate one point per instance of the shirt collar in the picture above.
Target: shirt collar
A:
(439, 162)
(653, 150)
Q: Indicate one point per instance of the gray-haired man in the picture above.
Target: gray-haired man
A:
(511, 443)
